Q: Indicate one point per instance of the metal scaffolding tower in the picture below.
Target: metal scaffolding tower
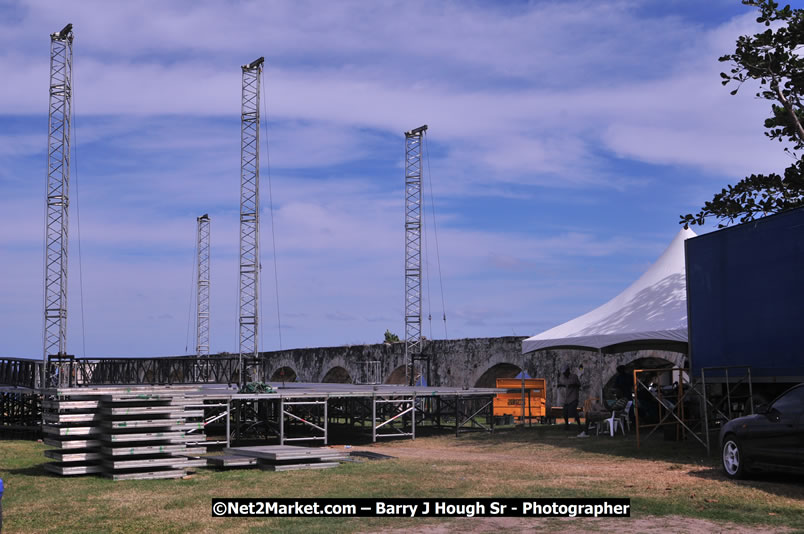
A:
(413, 255)
(249, 281)
(202, 296)
(58, 185)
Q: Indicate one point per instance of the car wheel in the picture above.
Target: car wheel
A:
(733, 458)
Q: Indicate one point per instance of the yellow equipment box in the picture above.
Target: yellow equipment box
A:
(510, 402)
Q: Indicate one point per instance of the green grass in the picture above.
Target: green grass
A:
(661, 478)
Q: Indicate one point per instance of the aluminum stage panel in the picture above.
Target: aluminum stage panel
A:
(72, 469)
(173, 437)
(60, 405)
(278, 453)
(296, 467)
(68, 417)
(173, 462)
(231, 460)
(295, 390)
(71, 430)
(69, 444)
(145, 475)
(146, 449)
(76, 456)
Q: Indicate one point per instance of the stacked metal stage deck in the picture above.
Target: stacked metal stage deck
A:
(122, 432)
(159, 431)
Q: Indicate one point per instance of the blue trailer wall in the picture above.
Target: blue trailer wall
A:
(745, 293)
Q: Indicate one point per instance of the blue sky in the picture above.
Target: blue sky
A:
(565, 140)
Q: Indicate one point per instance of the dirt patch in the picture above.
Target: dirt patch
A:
(687, 492)
(643, 525)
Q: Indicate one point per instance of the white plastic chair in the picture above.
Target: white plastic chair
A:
(613, 423)
(601, 426)
(624, 417)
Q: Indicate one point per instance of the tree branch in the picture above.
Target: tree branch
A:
(789, 107)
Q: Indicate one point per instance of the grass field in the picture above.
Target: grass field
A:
(673, 488)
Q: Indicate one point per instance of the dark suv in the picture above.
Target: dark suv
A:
(772, 439)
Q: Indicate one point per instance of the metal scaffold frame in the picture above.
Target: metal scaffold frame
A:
(249, 279)
(310, 420)
(58, 185)
(391, 409)
(687, 408)
(716, 409)
(413, 253)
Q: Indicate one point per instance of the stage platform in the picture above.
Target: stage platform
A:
(280, 389)
(299, 411)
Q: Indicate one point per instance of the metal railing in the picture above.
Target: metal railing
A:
(20, 372)
(66, 371)
(146, 371)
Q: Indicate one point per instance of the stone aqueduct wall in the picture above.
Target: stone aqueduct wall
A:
(473, 362)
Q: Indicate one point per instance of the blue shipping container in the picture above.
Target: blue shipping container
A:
(745, 297)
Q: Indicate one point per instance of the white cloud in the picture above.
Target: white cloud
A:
(540, 106)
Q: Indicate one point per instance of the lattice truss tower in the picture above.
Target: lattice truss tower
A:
(413, 244)
(202, 296)
(249, 280)
(58, 185)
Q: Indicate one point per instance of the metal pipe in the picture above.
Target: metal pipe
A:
(228, 422)
(413, 416)
(374, 419)
(281, 421)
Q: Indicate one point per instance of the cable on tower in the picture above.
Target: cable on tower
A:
(271, 212)
(435, 233)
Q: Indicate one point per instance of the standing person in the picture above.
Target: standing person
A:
(624, 386)
(624, 383)
(571, 384)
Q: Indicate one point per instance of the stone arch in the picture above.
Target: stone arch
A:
(337, 375)
(642, 360)
(398, 376)
(598, 371)
(284, 374)
(501, 370)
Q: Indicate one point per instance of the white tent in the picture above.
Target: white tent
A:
(650, 314)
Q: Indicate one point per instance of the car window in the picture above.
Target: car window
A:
(791, 402)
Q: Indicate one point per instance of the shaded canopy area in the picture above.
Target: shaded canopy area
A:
(609, 388)
(650, 314)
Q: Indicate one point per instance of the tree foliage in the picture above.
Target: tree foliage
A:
(391, 337)
(774, 59)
